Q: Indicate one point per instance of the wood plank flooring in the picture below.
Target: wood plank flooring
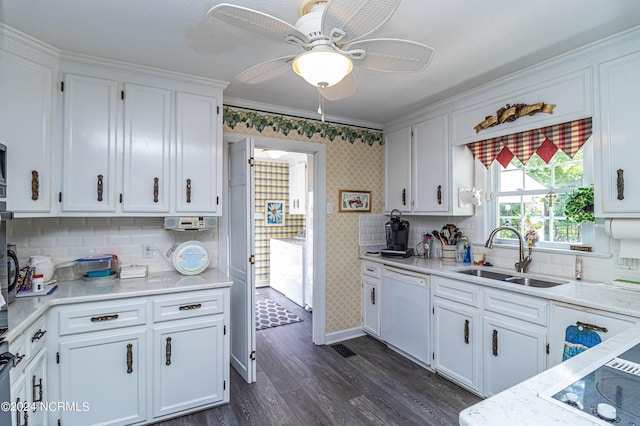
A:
(299, 383)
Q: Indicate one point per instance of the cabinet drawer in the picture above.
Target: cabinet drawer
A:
(19, 348)
(455, 290)
(371, 269)
(192, 304)
(518, 306)
(88, 317)
(36, 336)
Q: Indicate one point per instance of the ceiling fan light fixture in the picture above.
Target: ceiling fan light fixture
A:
(322, 68)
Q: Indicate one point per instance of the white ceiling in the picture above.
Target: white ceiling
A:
(476, 41)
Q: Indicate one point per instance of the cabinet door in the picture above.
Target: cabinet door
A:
(35, 374)
(297, 188)
(89, 145)
(431, 193)
(107, 370)
(199, 154)
(25, 128)
(456, 342)
(370, 306)
(147, 144)
(619, 93)
(397, 170)
(514, 351)
(19, 397)
(188, 368)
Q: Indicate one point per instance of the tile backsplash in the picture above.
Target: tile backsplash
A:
(68, 238)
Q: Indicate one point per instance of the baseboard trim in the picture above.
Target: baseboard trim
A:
(342, 335)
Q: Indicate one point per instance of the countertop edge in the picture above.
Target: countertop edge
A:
(561, 293)
(45, 303)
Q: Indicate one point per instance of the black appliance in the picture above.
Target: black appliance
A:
(610, 393)
(6, 358)
(397, 234)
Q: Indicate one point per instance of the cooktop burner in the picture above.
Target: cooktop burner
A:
(610, 392)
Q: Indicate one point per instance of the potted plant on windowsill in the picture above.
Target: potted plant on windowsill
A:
(579, 205)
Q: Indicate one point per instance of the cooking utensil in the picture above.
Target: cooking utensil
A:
(436, 234)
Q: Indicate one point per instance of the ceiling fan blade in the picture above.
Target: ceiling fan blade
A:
(257, 22)
(344, 89)
(356, 18)
(266, 70)
(392, 55)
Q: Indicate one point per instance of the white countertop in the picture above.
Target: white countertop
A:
(23, 311)
(521, 405)
(607, 297)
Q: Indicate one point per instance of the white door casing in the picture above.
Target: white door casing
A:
(241, 270)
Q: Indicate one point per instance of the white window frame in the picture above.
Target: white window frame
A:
(591, 234)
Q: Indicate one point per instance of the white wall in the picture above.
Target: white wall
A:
(68, 238)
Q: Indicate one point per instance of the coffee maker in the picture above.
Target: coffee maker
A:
(397, 233)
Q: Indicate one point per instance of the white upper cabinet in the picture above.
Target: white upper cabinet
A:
(397, 170)
(139, 146)
(198, 154)
(25, 128)
(89, 144)
(617, 151)
(430, 166)
(423, 173)
(147, 149)
(298, 188)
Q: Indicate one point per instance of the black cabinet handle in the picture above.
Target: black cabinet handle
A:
(129, 358)
(404, 197)
(620, 184)
(439, 194)
(466, 331)
(167, 352)
(100, 187)
(35, 185)
(494, 345)
(373, 296)
(156, 189)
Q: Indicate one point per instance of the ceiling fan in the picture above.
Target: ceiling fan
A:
(331, 35)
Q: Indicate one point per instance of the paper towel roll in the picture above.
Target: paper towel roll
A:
(628, 232)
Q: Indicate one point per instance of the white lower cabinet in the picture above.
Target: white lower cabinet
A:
(487, 339)
(19, 397)
(106, 371)
(370, 281)
(513, 352)
(456, 342)
(188, 364)
(139, 360)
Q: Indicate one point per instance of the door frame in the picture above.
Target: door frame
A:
(319, 151)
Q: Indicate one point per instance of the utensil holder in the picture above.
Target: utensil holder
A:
(449, 254)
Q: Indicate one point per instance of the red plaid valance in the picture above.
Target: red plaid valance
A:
(569, 137)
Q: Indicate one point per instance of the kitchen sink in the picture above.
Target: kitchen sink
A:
(535, 282)
(485, 274)
(510, 278)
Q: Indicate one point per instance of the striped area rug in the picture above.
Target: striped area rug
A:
(270, 314)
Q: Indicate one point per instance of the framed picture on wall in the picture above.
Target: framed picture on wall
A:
(274, 212)
(355, 201)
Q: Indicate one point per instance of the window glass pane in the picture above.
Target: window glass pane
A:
(541, 189)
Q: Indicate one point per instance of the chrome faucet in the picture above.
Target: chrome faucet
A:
(524, 262)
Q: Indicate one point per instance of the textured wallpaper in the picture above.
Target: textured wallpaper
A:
(354, 162)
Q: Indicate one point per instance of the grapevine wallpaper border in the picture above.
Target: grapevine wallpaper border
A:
(259, 120)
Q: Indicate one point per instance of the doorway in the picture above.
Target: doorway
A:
(245, 326)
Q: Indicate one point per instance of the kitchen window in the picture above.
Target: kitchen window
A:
(531, 198)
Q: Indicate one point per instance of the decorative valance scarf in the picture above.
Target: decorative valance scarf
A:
(568, 137)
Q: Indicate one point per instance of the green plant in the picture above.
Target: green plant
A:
(579, 205)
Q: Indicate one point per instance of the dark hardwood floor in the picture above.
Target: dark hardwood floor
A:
(299, 383)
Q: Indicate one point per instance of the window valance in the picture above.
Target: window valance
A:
(568, 137)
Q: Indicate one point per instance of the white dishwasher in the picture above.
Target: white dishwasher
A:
(405, 313)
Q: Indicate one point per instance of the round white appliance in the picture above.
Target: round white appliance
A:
(191, 258)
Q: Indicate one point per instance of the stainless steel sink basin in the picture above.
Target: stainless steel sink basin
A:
(510, 278)
(485, 274)
(535, 282)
